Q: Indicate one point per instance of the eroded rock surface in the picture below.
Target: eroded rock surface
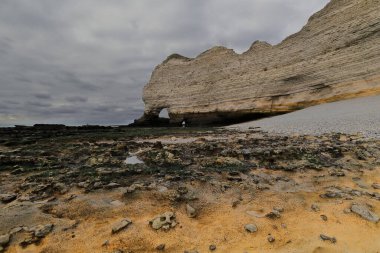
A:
(335, 56)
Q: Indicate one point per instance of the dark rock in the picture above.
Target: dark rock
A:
(274, 214)
(328, 238)
(324, 217)
(212, 247)
(7, 198)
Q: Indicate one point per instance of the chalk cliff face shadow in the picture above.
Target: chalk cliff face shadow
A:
(335, 56)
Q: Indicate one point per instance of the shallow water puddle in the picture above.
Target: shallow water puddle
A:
(133, 160)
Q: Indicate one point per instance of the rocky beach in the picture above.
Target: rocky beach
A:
(272, 147)
(120, 189)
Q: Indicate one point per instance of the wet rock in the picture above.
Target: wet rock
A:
(315, 207)
(328, 238)
(251, 228)
(364, 212)
(7, 198)
(112, 185)
(191, 212)
(15, 230)
(121, 225)
(271, 239)
(333, 193)
(4, 240)
(164, 221)
(160, 247)
(212, 247)
(98, 185)
(83, 184)
(41, 231)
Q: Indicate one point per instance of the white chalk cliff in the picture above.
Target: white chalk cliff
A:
(335, 56)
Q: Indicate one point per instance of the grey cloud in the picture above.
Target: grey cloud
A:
(76, 99)
(91, 58)
(42, 96)
(37, 104)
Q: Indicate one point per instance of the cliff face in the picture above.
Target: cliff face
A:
(335, 56)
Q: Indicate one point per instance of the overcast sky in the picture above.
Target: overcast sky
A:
(86, 61)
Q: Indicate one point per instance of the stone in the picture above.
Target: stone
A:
(274, 214)
(191, 212)
(4, 240)
(315, 207)
(112, 185)
(319, 64)
(165, 221)
(271, 239)
(83, 184)
(212, 247)
(117, 227)
(7, 198)
(278, 209)
(160, 247)
(41, 231)
(376, 186)
(328, 238)
(324, 217)
(251, 228)
(364, 212)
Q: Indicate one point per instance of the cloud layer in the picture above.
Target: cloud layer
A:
(86, 62)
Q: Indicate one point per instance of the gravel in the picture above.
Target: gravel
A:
(360, 115)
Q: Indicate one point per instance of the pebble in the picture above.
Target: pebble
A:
(376, 186)
(212, 247)
(160, 247)
(315, 207)
(271, 239)
(324, 217)
(121, 225)
(251, 228)
(191, 212)
(274, 214)
(328, 238)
